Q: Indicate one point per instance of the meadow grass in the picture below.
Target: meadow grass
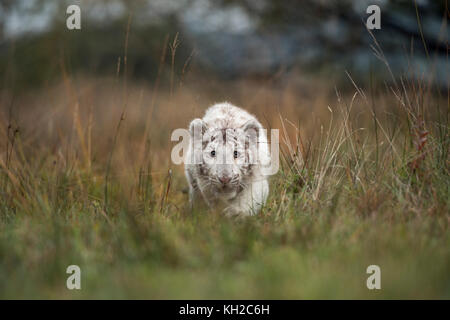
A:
(86, 179)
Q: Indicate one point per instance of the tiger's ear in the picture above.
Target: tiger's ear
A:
(197, 127)
(252, 129)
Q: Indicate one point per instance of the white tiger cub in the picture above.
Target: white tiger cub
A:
(223, 163)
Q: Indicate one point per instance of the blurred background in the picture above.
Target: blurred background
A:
(226, 39)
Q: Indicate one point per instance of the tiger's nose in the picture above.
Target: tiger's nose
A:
(225, 179)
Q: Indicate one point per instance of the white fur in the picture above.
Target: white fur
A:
(249, 188)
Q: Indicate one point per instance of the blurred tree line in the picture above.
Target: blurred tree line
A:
(33, 54)
(34, 58)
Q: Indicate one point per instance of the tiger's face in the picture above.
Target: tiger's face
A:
(225, 157)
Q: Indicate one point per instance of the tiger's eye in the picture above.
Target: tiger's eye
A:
(213, 153)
